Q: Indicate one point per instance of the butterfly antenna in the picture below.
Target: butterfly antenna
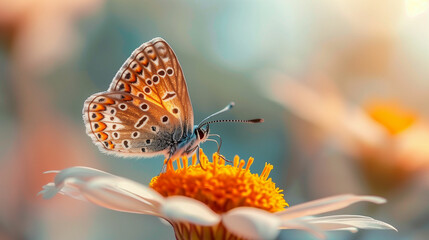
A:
(256, 120)
(228, 107)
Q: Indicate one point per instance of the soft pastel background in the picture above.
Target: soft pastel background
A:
(315, 70)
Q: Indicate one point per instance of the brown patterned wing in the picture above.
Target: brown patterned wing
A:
(123, 124)
(153, 73)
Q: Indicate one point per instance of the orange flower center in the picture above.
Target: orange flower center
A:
(220, 186)
(391, 116)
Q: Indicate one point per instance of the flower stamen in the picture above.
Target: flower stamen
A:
(219, 185)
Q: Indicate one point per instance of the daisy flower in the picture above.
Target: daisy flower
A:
(389, 141)
(212, 200)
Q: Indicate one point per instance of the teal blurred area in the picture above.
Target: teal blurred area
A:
(55, 54)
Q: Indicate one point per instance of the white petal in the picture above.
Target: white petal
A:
(69, 175)
(179, 208)
(317, 225)
(347, 222)
(81, 173)
(252, 223)
(139, 191)
(49, 191)
(122, 195)
(349, 229)
(326, 205)
(302, 225)
(104, 189)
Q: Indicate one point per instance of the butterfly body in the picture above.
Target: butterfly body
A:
(187, 145)
(147, 110)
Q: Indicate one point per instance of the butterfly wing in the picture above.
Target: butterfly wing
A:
(126, 125)
(153, 72)
(146, 108)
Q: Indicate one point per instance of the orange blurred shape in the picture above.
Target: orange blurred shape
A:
(392, 116)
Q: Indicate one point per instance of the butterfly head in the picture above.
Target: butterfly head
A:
(202, 132)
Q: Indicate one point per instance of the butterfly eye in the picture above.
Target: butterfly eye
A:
(201, 134)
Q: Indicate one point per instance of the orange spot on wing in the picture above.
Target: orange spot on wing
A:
(109, 101)
(111, 145)
(152, 55)
(97, 107)
(138, 69)
(133, 79)
(126, 98)
(103, 136)
(145, 61)
(127, 88)
(100, 126)
(98, 117)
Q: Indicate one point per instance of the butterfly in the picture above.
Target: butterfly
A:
(147, 110)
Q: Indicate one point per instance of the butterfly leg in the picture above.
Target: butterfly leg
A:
(164, 167)
(198, 158)
(219, 145)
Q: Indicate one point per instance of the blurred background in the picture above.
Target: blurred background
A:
(343, 87)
